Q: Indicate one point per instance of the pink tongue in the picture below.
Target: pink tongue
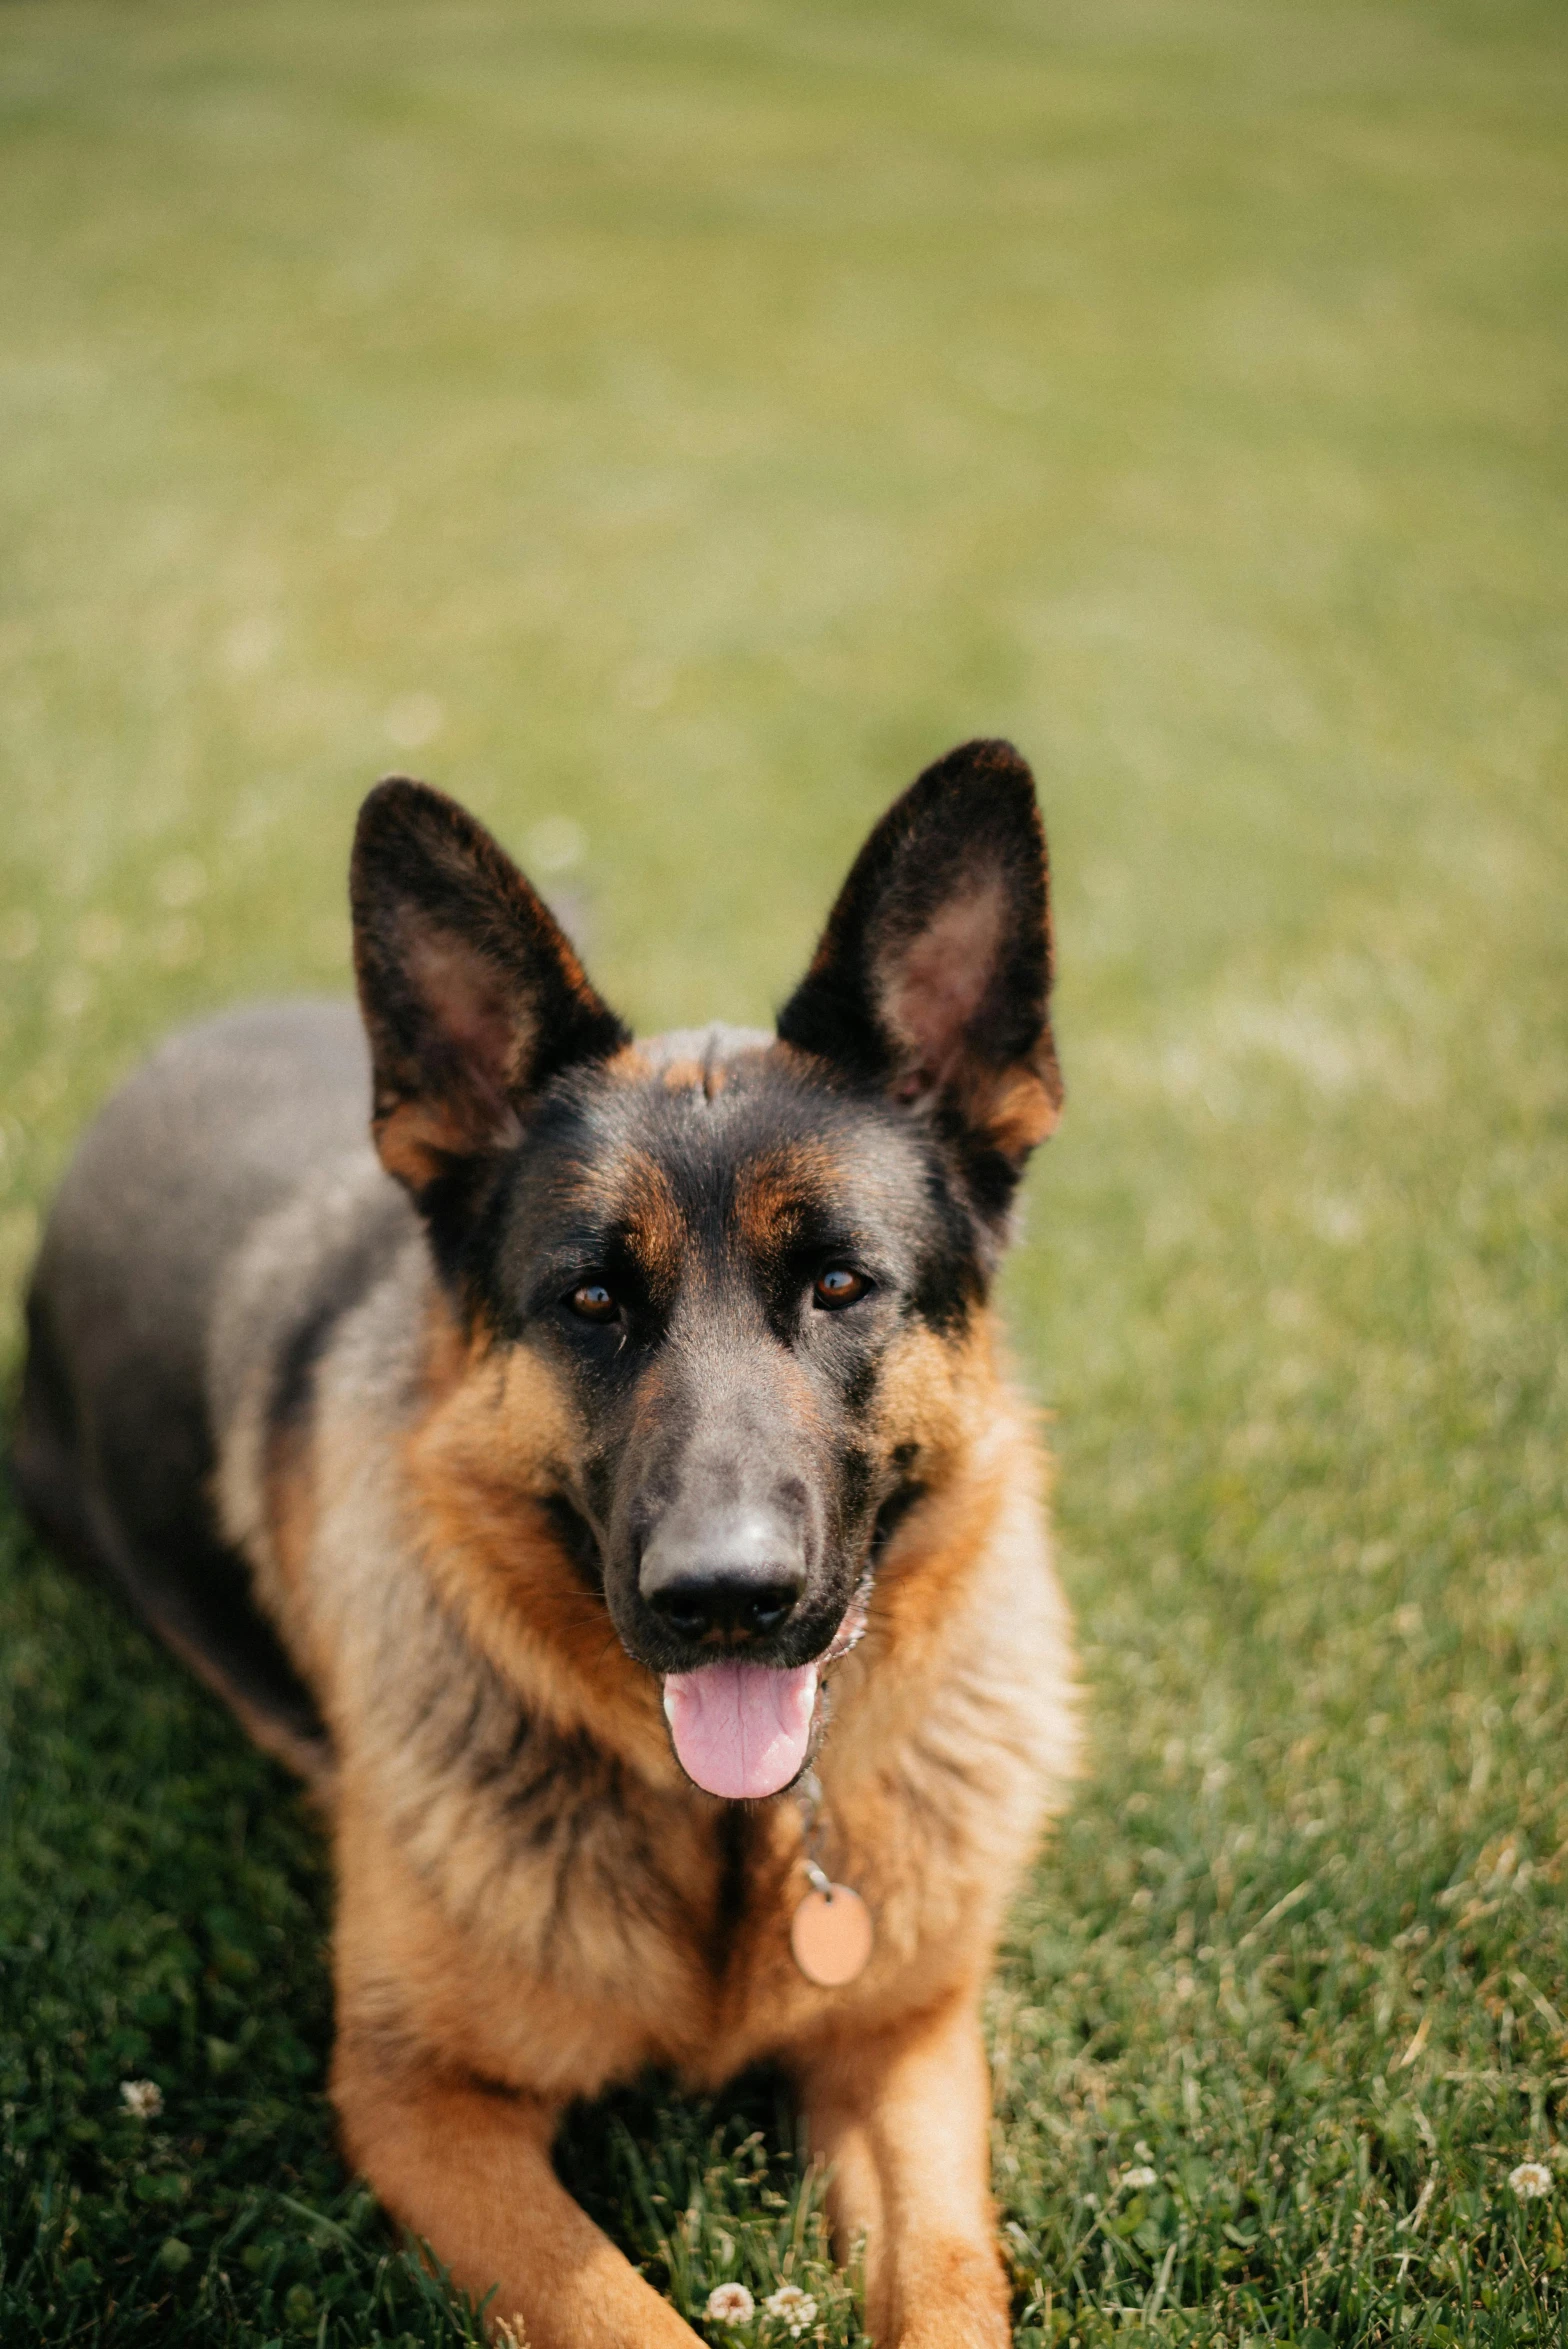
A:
(741, 1730)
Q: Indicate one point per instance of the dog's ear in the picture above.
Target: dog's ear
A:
(472, 995)
(933, 976)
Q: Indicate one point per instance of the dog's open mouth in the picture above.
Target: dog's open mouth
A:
(741, 1730)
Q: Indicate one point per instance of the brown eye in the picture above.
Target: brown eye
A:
(839, 1286)
(593, 1302)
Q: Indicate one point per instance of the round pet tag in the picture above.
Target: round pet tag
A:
(831, 1936)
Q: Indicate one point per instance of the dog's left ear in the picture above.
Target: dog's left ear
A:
(472, 996)
(933, 977)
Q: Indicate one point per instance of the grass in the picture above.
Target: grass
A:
(668, 427)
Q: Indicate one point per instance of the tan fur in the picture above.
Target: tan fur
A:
(654, 1229)
(495, 1443)
(688, 1075)
(769, 1192)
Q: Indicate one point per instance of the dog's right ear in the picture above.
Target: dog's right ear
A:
(471, 993)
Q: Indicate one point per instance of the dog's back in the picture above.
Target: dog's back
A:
(115, 1448)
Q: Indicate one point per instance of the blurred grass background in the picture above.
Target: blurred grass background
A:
(668, 428)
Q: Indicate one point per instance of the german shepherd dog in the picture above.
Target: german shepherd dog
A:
(604, 1490)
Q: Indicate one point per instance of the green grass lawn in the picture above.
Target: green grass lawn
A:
(668, 426)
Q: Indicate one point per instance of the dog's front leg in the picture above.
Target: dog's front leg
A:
(468, 2168)
(902, 2117)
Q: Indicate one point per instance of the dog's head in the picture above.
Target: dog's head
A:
(740, 1266)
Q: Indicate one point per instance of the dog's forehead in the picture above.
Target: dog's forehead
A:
(726, 1131)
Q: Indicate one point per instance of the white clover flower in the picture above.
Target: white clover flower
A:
(1136, 2180)
(792, 2307)
(730, 2304)
(144, 2098)
(1531, 2180)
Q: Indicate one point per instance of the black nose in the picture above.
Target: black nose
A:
(726, 1579)
(725, 1608)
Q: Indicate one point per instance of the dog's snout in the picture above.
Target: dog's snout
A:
(726, 1580)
